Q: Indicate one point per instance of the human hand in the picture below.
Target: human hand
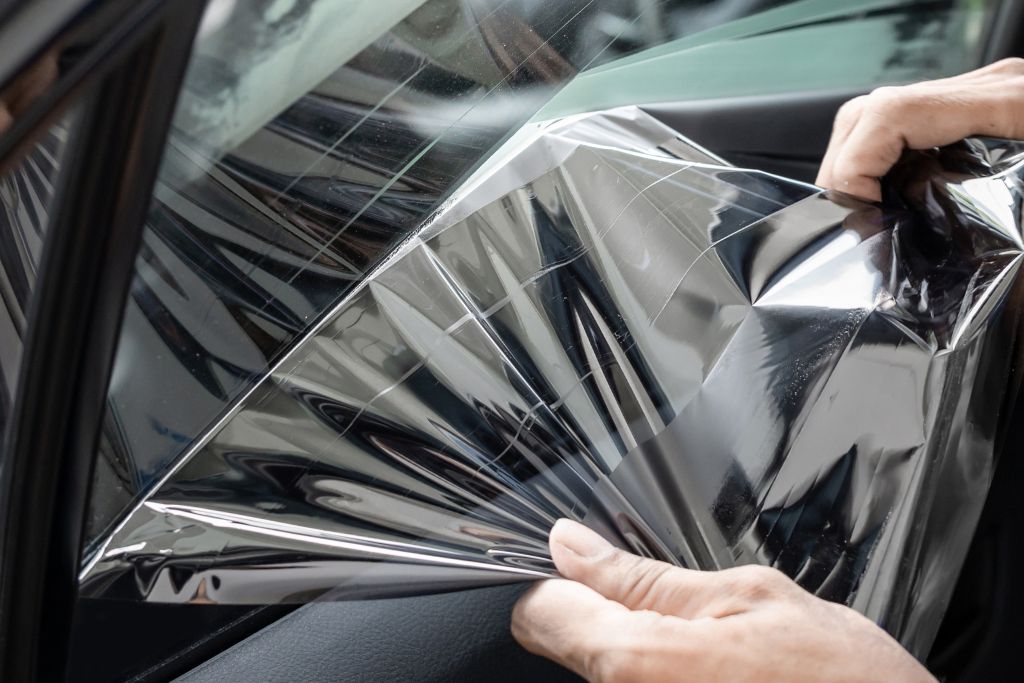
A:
(871, 132)
(623, 618)
(26, 88)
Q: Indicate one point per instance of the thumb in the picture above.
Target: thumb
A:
(638, 583)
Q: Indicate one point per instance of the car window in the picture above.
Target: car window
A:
(314, 136)
(27, 194)
(798, 47)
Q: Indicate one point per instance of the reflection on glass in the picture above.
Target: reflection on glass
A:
(26, 199)
(712, 366)
(313, 137)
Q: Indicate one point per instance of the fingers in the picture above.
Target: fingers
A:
(564, 621)
(598, 638)
(582, 555)
(872, 146)
(638, 583)
(30, 85)
(778, 631)
(845, 121)
(901, 118)
(6, 119)
(871, 132)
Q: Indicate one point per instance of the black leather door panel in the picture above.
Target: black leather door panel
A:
(783, 134)
(451, 637)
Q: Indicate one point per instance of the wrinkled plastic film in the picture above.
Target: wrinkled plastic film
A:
(712, 366)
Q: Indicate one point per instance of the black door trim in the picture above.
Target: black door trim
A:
(75, 321)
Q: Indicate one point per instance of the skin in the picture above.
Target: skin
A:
(871, 132)
(25, 89)
(619, 617)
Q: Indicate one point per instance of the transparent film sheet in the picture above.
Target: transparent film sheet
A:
(711, 366)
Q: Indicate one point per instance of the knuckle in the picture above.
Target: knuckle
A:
(850, 109)
(1004, 108)
(890, 99)
(641, 578)
(1009, 65)
(886, 92)
(756, 582)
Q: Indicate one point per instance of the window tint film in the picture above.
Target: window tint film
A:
(314, 136)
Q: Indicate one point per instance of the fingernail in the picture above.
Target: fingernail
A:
(579, 540)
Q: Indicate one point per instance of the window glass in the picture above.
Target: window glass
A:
(795, 47)
(313, 136)
(26, 198)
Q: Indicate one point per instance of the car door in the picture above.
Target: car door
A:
(85, 86)
(310, 139)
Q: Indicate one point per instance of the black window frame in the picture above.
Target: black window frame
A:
(126, 83)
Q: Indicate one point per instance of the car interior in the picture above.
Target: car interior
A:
(757, 82)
